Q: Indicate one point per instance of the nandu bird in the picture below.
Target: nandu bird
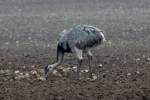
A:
(79, 39)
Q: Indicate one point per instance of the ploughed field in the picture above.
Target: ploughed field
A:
(29, 31)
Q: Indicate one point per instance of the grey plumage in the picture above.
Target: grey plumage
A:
(77, 40)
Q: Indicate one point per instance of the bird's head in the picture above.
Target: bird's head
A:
(47, 69)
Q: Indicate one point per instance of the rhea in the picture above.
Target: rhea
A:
(78, 40)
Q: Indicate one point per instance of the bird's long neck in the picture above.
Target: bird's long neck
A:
(59, 60)
(60, 56)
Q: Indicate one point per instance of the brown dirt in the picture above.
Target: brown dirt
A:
(124, 75)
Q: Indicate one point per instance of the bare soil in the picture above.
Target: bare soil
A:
(122, 75)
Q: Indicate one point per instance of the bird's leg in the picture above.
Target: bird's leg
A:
(78, 68)
(80, 59)
(90, 56)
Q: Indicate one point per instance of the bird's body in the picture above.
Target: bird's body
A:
(82, 37)
(77, 40)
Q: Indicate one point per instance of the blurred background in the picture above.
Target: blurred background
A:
(34, 25)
